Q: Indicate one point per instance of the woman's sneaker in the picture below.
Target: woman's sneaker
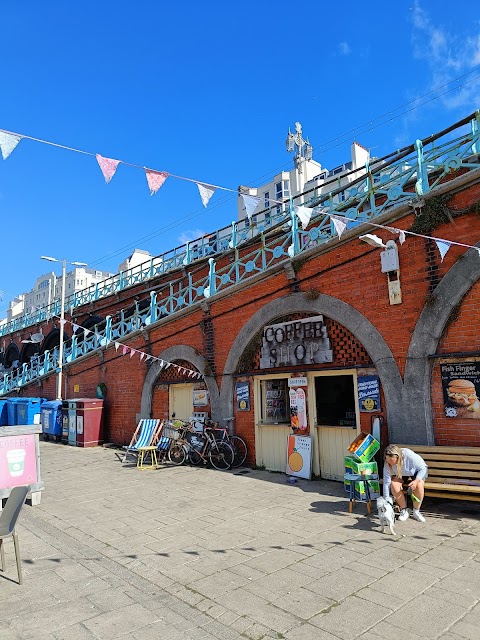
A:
(404, 515)
(416, 515)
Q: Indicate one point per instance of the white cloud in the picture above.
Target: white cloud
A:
(344, 49)
(447, 55)
(188, 236)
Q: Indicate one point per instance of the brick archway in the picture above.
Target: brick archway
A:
(346, 315)
(178, 352)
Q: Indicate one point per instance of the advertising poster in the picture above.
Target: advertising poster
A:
(298, 410)
(200, 397)
(18, 462)
(369, 393)
(243, 396)
(299, 456)
(461, 388)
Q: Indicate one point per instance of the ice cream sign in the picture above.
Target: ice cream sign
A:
(18, 461)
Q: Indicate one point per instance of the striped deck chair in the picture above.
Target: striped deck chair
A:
(146, 435)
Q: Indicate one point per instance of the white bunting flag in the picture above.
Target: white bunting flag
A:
(155, 179)
(142, 355)
(206, 192)
(291, 251)
(8, 142)
(443, 246)
(304, 214)
(162, 363)
(108, 167)
(117, 344)
(401, 236)
(63, 322)
(340, 225)
(75, 327)
(250, 203)
(168, 364)
(87, 332)
(132, 352)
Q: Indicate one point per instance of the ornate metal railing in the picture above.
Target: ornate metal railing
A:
(415, 170)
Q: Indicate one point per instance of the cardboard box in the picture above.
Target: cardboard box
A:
(362, 468)
(364, 447)
(374, 487)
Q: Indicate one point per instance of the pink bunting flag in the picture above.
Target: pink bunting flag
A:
(8, 142)
(155, 180)
(108, 167)
(124, 350)
(206, 192)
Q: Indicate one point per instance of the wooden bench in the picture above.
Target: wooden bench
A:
(453, 472)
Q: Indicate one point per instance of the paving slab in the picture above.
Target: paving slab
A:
(195, 554)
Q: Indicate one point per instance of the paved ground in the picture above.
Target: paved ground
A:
(186, 553)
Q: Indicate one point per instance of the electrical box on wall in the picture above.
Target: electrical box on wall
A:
(391, 266)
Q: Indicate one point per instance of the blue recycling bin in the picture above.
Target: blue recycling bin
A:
(51, 418)
(12, 404)
(27, 409)
(3, 412)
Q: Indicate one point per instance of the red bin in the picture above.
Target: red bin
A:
(89, 422)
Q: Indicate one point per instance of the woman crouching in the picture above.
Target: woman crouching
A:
(404, 466)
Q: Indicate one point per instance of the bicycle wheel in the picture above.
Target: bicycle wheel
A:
(239, 447)
(221, 456)
(194, 457)
(177, 454)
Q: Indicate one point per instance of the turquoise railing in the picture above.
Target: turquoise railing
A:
(415, 170)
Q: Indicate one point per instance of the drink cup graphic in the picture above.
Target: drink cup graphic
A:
(16, 462)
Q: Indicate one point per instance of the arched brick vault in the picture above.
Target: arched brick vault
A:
(343, 313)
(178, 352)
(416, 398)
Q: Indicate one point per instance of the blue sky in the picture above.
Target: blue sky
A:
(206, 91)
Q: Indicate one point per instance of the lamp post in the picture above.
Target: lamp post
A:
(62, 316)
(303, 152)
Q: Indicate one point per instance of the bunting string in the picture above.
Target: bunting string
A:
(126, 350)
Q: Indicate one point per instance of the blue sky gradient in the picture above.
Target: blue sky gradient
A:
(207, 92)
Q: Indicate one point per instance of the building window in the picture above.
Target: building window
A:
(286, 188)
(335, 401)
(267, 200)
(274, 401)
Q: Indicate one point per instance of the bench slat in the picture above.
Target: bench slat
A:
(459, 496)
(444, 464)
(454, 473)
(438, 457)
(419, 448)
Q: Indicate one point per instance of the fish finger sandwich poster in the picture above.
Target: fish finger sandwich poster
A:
(461, 390)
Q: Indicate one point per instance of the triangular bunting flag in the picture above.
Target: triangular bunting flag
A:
(340, 225)
(117, 344)
(142, 355)
(124, 350)
(162, 363)
(75, 327)
(304, 214)
(108, 167)
(401, 236)
(250, 203)
(8, 142)
(155, 180)
(132, 353)
(87, 332)
(443, 246)
(63, 322)
(168, 365)
(206, 192)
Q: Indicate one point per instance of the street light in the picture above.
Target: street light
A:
(62, 316)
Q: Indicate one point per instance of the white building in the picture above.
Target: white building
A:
(307, 177)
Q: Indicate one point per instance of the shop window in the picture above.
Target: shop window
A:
(335, 401)
(274, 401)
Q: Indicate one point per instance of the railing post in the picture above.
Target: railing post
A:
(74, 348)
(108, 328)
(421, 186)
(234, 236)
(211, 276)
(190, 288)
(295, 243)
(188, 257)
(475, 132)
(47, 363)
(153, 306)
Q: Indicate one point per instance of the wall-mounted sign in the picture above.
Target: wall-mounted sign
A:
(243, 396)
(461, 389)
(200, 397)
(299, 456)
(297, 382)
(368, 393)
(295, 343)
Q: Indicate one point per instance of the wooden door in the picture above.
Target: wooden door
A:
(181, 401)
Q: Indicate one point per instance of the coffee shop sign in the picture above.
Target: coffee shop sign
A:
(294, 343)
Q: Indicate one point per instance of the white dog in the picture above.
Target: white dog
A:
(386, 513)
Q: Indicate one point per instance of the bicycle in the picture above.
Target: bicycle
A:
(237, 443)
(201, 448)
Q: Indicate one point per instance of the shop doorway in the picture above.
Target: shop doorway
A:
(336, 419)
(180, 400)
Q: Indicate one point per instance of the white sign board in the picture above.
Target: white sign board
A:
(297, 382)
(299, 456)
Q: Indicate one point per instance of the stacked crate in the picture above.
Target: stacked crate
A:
(359, 462)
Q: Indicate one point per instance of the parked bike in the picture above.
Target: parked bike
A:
(201, 447)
